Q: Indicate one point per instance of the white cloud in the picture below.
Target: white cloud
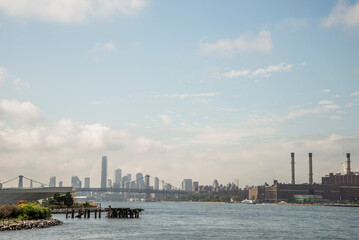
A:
(275, 68)
(165, 119)
(19, 82)
(146, 144)
(236, 73)
(281, 67)
(325, 102)
(325, 90)
(187, 95)
(21, 112)
(335, 117)
(355, 94)
(343, 14)
(68, 11)
(228, 47)
(3, 73)
(105, 47)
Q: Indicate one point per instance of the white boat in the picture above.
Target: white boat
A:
(246, 201)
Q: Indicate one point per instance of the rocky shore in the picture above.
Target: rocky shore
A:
(28, 224)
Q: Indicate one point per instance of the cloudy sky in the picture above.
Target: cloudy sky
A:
(178, 89)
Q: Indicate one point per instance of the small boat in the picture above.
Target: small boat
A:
(246, 201)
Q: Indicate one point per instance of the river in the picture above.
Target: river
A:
(172, 220)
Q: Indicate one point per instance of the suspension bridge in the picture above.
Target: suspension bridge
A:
(40, 190)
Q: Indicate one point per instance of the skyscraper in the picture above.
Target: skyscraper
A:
(118, 176)
(52, 181)
(187, 185)
(104, 172)
(61, 184)
(75, 182)
(87, 182)
(157, 183)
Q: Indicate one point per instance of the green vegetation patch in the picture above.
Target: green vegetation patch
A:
(24, 211)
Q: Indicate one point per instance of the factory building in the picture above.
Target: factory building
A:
(334, 187)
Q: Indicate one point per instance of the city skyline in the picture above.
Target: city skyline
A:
(181, 90)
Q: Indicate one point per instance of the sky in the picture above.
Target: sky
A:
(178, 89)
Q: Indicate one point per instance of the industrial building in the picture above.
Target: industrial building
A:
(334, 187)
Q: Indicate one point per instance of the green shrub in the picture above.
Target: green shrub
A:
(9, 211)
(33, 211)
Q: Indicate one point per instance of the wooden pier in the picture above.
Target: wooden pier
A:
(111, 212)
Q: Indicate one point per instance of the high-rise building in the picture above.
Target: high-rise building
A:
(52, 181)
(87, 182)
(195, 185)
(129, 177)
(157, 183)
(61, 184)
(215, 183)
(140, 184)
(236, 182)
(104, 172)
(118, 176)
(109, 183)
(187, 185)
(75, 182)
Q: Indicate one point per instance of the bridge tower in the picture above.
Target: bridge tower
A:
(21, 181)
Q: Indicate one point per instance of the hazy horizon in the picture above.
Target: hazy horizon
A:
(190, 89)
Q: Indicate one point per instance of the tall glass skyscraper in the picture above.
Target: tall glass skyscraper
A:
(104, 172)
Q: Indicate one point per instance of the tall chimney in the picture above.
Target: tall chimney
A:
(310, 169)
(292, 164)
(348, 164)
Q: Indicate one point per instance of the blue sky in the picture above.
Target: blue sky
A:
(185, 89)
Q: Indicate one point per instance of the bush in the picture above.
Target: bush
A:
(9, 211)
(33, 211)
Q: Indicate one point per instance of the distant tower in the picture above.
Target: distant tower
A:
(348, 164)
(118, 177)
(87, 182)
(293, 172)
(104, 172)
(61, 184)
(52, 181)
(157, 183)
(310, 169)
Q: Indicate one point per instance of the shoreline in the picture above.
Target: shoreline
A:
(15, 225)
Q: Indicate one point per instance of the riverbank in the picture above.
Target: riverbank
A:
(28, 224)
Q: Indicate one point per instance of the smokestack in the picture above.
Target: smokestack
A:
(292, 164)
(348, 164)
(310, 169)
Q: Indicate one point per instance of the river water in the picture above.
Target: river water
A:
(172, 220)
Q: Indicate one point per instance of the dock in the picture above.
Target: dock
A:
(124, 213)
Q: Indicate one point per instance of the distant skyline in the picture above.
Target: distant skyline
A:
(198, 90)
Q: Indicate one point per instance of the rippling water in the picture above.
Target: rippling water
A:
(208, 221)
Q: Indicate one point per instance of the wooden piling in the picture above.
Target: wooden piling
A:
(72, 213)
(99, 213)
(67, 213)
(88, 213)
(95, 213)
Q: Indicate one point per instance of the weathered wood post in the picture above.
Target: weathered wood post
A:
(67, 213)
(72, 213)
(99, 213)
(109, 212)
(85, 213)
(88, 213)
(95, 213)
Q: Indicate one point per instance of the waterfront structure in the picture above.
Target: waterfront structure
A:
(334, 187)
(187, 185)
(87, 182)
(118, 176)
(104, 172)
(195, 184)
(52, 182)
(75, 182)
